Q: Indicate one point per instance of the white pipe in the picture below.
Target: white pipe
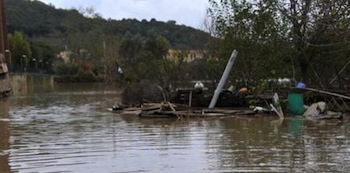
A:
(223, 79)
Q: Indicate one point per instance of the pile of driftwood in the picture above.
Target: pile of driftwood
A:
(167, 109)
(139, 93)
(170, 110)
(333, 108)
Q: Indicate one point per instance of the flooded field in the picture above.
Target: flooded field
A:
(67, 128)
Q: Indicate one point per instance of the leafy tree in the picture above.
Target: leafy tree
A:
(252, 29)
(89, 12)
(269, 34)
(20, 50)
(111, 59)
(153, 64)
(69, 69)
(318, 30)
(44, 55)
(130, 47)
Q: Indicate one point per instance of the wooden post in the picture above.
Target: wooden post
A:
(190, 99)
(5, 83)
(3, 32)
(223, 79)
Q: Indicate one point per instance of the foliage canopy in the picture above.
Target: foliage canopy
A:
(273, 36)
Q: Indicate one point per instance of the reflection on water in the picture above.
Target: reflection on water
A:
(68, 129)
(4, 136)
(24, 84)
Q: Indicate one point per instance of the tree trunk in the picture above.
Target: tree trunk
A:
(304, 68)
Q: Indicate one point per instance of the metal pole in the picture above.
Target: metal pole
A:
(223, 79)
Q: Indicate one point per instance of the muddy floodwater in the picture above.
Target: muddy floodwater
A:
(48, 127)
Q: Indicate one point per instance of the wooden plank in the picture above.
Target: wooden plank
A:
(326, 92)
(277, 112)
(173, 109)
(229, 112)
(277, 106)
(221, 111)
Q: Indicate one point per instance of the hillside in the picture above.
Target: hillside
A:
(38, 20)
(92, 48)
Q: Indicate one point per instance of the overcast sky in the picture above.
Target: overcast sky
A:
(188, 12)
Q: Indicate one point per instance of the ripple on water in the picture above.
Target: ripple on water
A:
(79, 135)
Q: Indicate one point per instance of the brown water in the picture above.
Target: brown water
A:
(67, 128)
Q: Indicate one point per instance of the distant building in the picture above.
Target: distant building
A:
(65, 56)
(187, 55)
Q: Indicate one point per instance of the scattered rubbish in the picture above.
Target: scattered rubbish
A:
(301, 85)
(199, 85)
(259, 109)
(319, 111)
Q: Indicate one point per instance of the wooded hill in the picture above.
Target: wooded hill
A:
(36, 19)
(93, 40)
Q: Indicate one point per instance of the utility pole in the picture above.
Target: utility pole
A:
(223, 79)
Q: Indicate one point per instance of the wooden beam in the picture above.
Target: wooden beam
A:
(326, 92)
